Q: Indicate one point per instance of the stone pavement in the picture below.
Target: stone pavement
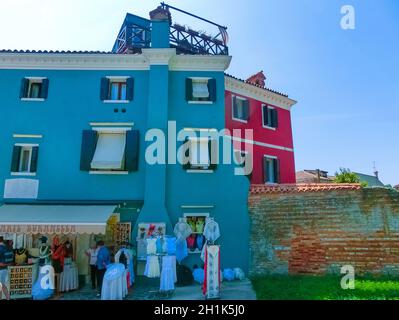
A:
(148, 290)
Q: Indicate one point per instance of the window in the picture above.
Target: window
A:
(196, 240)
(240, 109)
(269, 117)
(200, 90)
(117, 89)
(201, 154)
(244, 160)
(109, 151)
(271, 169)
(34, 88)
(24, 159)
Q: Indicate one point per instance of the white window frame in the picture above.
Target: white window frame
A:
(232, 109)
(200, 79)
(198, 168)
(116, 79)
(263, 110)
(186, 215)
(25, 146)
(269, 157)
(118, 130)
(33, 80)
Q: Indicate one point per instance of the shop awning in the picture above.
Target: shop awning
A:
(55, 219)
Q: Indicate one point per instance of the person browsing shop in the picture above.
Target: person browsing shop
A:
(92, 254)
(6, 257)
(103, 260)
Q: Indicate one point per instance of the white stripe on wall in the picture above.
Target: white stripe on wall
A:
(262, 144)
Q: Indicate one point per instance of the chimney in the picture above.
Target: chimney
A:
(257, 79)
(376, 174)
(160, 22)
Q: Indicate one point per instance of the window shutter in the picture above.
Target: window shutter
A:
(33, 161)
(187, 166)
(276, 168)
(189, 89)
(265, 171)
(132, 150)
(235, 111)
(265, 115)
(24, 88)
(212, 89)
(44, 88)
(16, 153)
(129, 89)
(104, 91)
(275, 118)
(246, 109)
(89, 142)
(213, 154)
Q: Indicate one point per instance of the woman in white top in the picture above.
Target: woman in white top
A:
(92, 254)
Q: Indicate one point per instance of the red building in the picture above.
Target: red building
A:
(250, 105)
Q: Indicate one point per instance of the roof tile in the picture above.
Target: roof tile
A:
(301, 187)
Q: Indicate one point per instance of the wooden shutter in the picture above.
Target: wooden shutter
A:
(89, 143)
(187, 166)
(16, 154)
(132, 150)
(189, 89)
(276, 168)
(275, 118)
(213, 154)
(265, 115)
(23, 93)
(234, 105)
(44, 89)
(212, 89)
(265, 170)
(104, 91)
(129, 89)
(34, 158)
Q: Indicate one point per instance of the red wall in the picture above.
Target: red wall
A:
(281, 137)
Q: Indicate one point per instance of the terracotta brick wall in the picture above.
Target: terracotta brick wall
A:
(317, 229)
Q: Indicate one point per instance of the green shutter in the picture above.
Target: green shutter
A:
(265, 115)
(104, 91)
(34, 158)
(234, 106)
(213, 154)
(212, 89)
(23, 93)
(275, 118)
(129, 89)
(16, 154)
(187, 166)
(44, 89)
(276, 167)
(132, 150)
(88, 147)
(246, 109)
(189, 89)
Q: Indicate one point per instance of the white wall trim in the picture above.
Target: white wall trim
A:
(262, 144)
(27, 136)
(197, 207)
(26, 144)
(36, 78)
(260, 94)
(118, 78)
(116, 101)
(109, 172)
(111, 129)
(199, 171)
(111, 124)
(30, 174)
(200, 102)
(33, 99)
(200, 63)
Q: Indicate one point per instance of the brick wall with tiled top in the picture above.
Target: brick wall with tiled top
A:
(316, 229)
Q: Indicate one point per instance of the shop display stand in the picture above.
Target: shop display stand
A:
(212, 272)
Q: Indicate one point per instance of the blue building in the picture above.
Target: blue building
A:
(75, 131)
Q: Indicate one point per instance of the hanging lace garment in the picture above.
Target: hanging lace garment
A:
(152, 246)
(152, 269)
(211, 230)
(182, 230)
(168, 274)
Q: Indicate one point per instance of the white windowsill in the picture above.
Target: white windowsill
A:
(116, 101)
(200, 102)
(109, 172)
(199, 171)
(28, 174)
(270, 128)
(32, 99)
(240, 120)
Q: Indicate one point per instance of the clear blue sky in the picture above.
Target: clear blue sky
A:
(346, 82)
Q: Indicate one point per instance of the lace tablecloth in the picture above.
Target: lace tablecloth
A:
(69, 278)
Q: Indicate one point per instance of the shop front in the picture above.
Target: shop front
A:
(57, 236)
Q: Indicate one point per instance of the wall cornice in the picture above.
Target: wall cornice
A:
(260, 94)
